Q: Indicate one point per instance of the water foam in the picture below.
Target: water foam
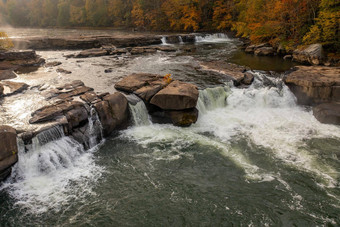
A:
(52, 172)
(212, 38)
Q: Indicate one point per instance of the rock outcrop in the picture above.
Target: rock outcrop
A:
(13, 60)
(11, 88)
(74, 105)
(176, 96)
(314, 84)
(7, 74)
(238, 74)
(312, 54)
(172, 102)
(328, 113)
(8, 150)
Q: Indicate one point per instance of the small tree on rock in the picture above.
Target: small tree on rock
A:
(5, 42)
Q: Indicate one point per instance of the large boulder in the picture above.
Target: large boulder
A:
(328, 113)
(312, 54)
(8, 150)
(265, 51)
(176, 96)
(113, 112)
(314, 84)
(136, 81)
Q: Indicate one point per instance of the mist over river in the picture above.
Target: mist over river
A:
(254, 157)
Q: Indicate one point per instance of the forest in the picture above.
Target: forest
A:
(286, 22)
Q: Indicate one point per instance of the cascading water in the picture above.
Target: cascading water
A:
(95, 129)
(212, 38)
(180, 40)
(164, 41)
(40, 180)
(212, 98)
(139, 114)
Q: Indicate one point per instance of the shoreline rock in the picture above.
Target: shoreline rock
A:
(328, 113)
(8, 150)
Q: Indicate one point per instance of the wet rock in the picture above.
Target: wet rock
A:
(14, 60)
(90, 97)
(288, 57)
(61, 70)
(328, 113)
(312, 54)
(7, 74)
(108, 70)
(1, 90)
(77, 116)
(248, 78)
(113, 112)
(53, 64)
(17, 55)
(12, 88)
(53, 112)
(176, 96)
(252, 48)
(8, 150)
(119, 51)
(96, 52)
(134, 82)
(314, 84)
(235, 72)
(264, 51)
(182, 118)
(148, 91)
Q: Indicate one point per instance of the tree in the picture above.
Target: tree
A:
(5, 42)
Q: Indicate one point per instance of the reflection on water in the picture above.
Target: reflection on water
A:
(266, 63)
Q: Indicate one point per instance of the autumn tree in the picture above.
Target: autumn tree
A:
(5, 42)
(327, 27)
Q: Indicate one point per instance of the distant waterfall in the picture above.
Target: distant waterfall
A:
(212, 98)
(212, 38)
(180, 40)
(139, 114)
(164, 41)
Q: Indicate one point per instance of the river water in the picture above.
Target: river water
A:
(254, 158)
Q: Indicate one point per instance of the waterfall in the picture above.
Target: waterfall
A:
(180, 40)
(139, 114)
(47, 136)
(53, 171)
(212, 38)
(212, 98)
(164, 41)
(95, 129)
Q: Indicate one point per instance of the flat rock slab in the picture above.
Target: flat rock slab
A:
(7, 74)
(176, 96)
(314, 84)
(235, 72)
(96, 52)
(134, 82)
(327, 113)
(11, 88)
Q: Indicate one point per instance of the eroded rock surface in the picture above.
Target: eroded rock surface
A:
(8, 150)
(237, 73)
(314, 84)
(328, 113)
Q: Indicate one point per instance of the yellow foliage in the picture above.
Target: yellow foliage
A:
(167, 78)
(5, 42)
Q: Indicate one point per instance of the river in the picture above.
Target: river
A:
(254, 158)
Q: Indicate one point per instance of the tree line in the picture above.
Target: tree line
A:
(286, 22)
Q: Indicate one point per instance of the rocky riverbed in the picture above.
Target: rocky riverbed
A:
(117, 88)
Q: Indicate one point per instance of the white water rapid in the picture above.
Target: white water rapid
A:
(212, 38)
(51, 172)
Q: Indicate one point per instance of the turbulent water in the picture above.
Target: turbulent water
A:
(254, 158)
